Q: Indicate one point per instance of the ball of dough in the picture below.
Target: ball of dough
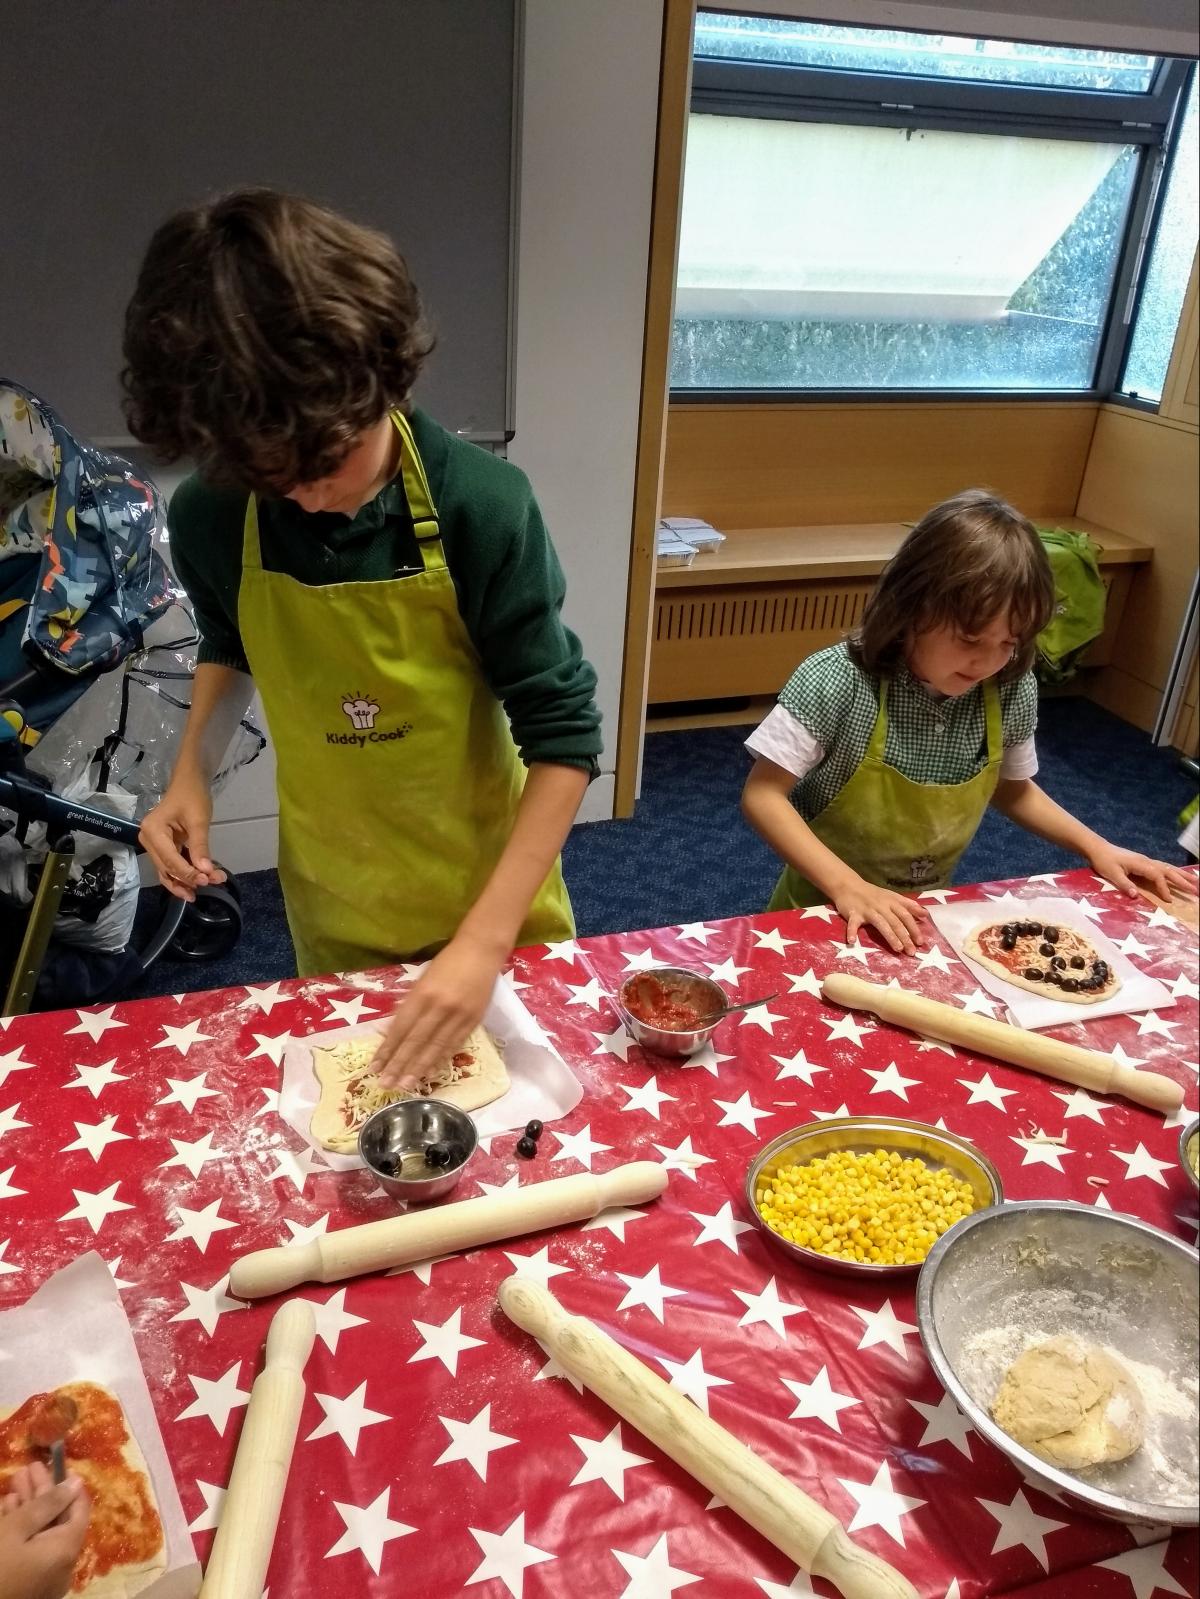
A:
(1070, 1403)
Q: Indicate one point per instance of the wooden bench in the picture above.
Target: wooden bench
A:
(735, 623)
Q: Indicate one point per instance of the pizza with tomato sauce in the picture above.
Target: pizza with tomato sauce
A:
(1058, 962)
(350, 1092)
(124, 1550)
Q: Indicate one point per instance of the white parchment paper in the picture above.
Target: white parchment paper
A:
(1027, 1009)
(541, 1083)
(74, 1329)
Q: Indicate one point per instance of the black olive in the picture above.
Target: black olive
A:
(1054, 977)
(437, 1155)
(1034, 974)
(1058, 962)
(1101, 969)
(1009, 930)
(1050, 933)
(1008, 945)
(533, 1129)
(526, 1148)
(1045, 949)
(1070, 985)
(1078, 962)
(1035, 927)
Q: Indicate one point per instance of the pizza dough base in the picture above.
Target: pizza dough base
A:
(124, 1582)
(1072, 1404)
(334, 1066)
(972, 947)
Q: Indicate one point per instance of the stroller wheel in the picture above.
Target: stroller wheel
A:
(211, 926)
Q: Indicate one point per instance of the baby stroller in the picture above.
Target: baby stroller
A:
(86, 598)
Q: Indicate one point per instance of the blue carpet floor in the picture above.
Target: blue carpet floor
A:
(687, 855)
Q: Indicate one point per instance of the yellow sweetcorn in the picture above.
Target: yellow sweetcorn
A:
(879, 1207)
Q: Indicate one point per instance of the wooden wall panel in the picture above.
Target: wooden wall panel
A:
(772, 465)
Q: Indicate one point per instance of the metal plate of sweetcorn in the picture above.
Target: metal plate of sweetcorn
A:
(972, 1181)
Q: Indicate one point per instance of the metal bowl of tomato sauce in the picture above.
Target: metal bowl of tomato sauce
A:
(671, 1010)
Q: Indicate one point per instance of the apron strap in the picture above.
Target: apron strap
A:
(995, 723)
(878, 740)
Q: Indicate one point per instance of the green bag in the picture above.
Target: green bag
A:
(1079, 610)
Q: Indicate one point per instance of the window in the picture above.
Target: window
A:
(876, 210)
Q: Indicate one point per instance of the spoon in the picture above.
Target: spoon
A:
(57, 1415)
(730, 1010)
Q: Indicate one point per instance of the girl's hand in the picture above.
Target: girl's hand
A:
(433, 1019)
(1121, 866)
(38, 1551)
(897, 919)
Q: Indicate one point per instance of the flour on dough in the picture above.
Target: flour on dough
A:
(1071, 1403)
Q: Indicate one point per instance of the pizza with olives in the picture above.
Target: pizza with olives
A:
(1057, 962)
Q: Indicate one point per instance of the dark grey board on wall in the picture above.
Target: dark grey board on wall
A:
(397, 112)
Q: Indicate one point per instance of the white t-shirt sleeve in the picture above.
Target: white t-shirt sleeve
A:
(779, 737)
(1019, 760)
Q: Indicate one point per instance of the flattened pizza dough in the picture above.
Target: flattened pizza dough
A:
(1010, 951)
(101, 1449)
(1071, 1403)
(350, 1091)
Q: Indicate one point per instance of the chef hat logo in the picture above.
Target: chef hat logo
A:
(361, 711)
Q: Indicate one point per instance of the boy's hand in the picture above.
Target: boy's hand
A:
(38, 1551)
(897, 919)
(433, 1019)
(180, 820)
(1121, 866)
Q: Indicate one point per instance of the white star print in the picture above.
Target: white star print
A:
(773, 940)
(1132, 946)
(1118, 1054)
(1152, 1022)
(94, 1208)
(977, 1003)
(95, 1023)
(649, 1290)
(890, 1081)
(444, 1342)
(941, 895)
(263, 996)
(199, 1225)
(423, 1269)
(6, 1267)
(296, 1166)
(505, 1187)
(1146, 1570)
(944, 1423)
(823, 913)
(272, 1048)
(214, 1503)
(883, 1326)
(1178, 1117)
(985, 1092)
(472, 1441)
(112, 1271)
(349, 1011)
(218, 1399)
(1160, 918)
(699, 932)
(800, 1587)
(195, 1154)
(566, 949)
(186, 1091)
(1040, 1153)
(7, 1189)
(767, 1306)
(606, 1461)
(368, 1528)
(707, 1059)
(934, 956)
(804, 983)
(333, 1319)
(1021, 1526)
(589, 993)
(302, 1234)
(346, 1418)
(9, 1122)
(616, 1218)
(207, 1305)
(690, 1377)
(727, 972)
(97, 1078)
(182, 1038)
(506, 1555)
(846, 1027)
(798, 1066)
(831, 1115)
(538, 1268)
(723, 1228)
(855, 952)
(580, 1146)
(1080, 1104)
(652, 1575)
(939, 1044)
(644, 960)
(683, 1158)
(647, 1098)
(270, 1101)
(1185, 987)
(760, 1016)
(95, 1137)
(818, 1398)
(553, 1369)
(879, 1505)
(741, 1113)
(616, 1043)
(1140, 1162)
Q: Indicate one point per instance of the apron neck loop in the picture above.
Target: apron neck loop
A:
(420, 500)
(878, 740)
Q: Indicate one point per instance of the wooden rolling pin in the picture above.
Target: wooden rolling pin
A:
(1086, 1068)
(772, 1505)
(420, 1234)
(241, 1551)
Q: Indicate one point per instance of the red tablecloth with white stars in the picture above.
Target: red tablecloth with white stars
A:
(438, 1452)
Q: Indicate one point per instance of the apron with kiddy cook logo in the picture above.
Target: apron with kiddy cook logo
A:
(895, 832)
(398, 777)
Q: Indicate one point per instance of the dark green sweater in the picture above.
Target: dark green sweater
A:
(509, 584)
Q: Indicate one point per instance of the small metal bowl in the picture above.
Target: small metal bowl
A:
(1041, 1268)
(680, 982)
(1186, 1136)
(392, 1144)
(862, 1134)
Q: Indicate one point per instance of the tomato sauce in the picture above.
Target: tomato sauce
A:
(653, 1003)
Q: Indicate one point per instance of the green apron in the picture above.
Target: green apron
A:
(398, 777)
(902, 835)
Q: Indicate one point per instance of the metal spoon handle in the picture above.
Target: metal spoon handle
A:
(729, 1010)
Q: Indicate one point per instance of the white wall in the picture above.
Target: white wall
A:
(589, 110)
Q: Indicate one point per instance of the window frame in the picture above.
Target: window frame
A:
(1149, 120)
